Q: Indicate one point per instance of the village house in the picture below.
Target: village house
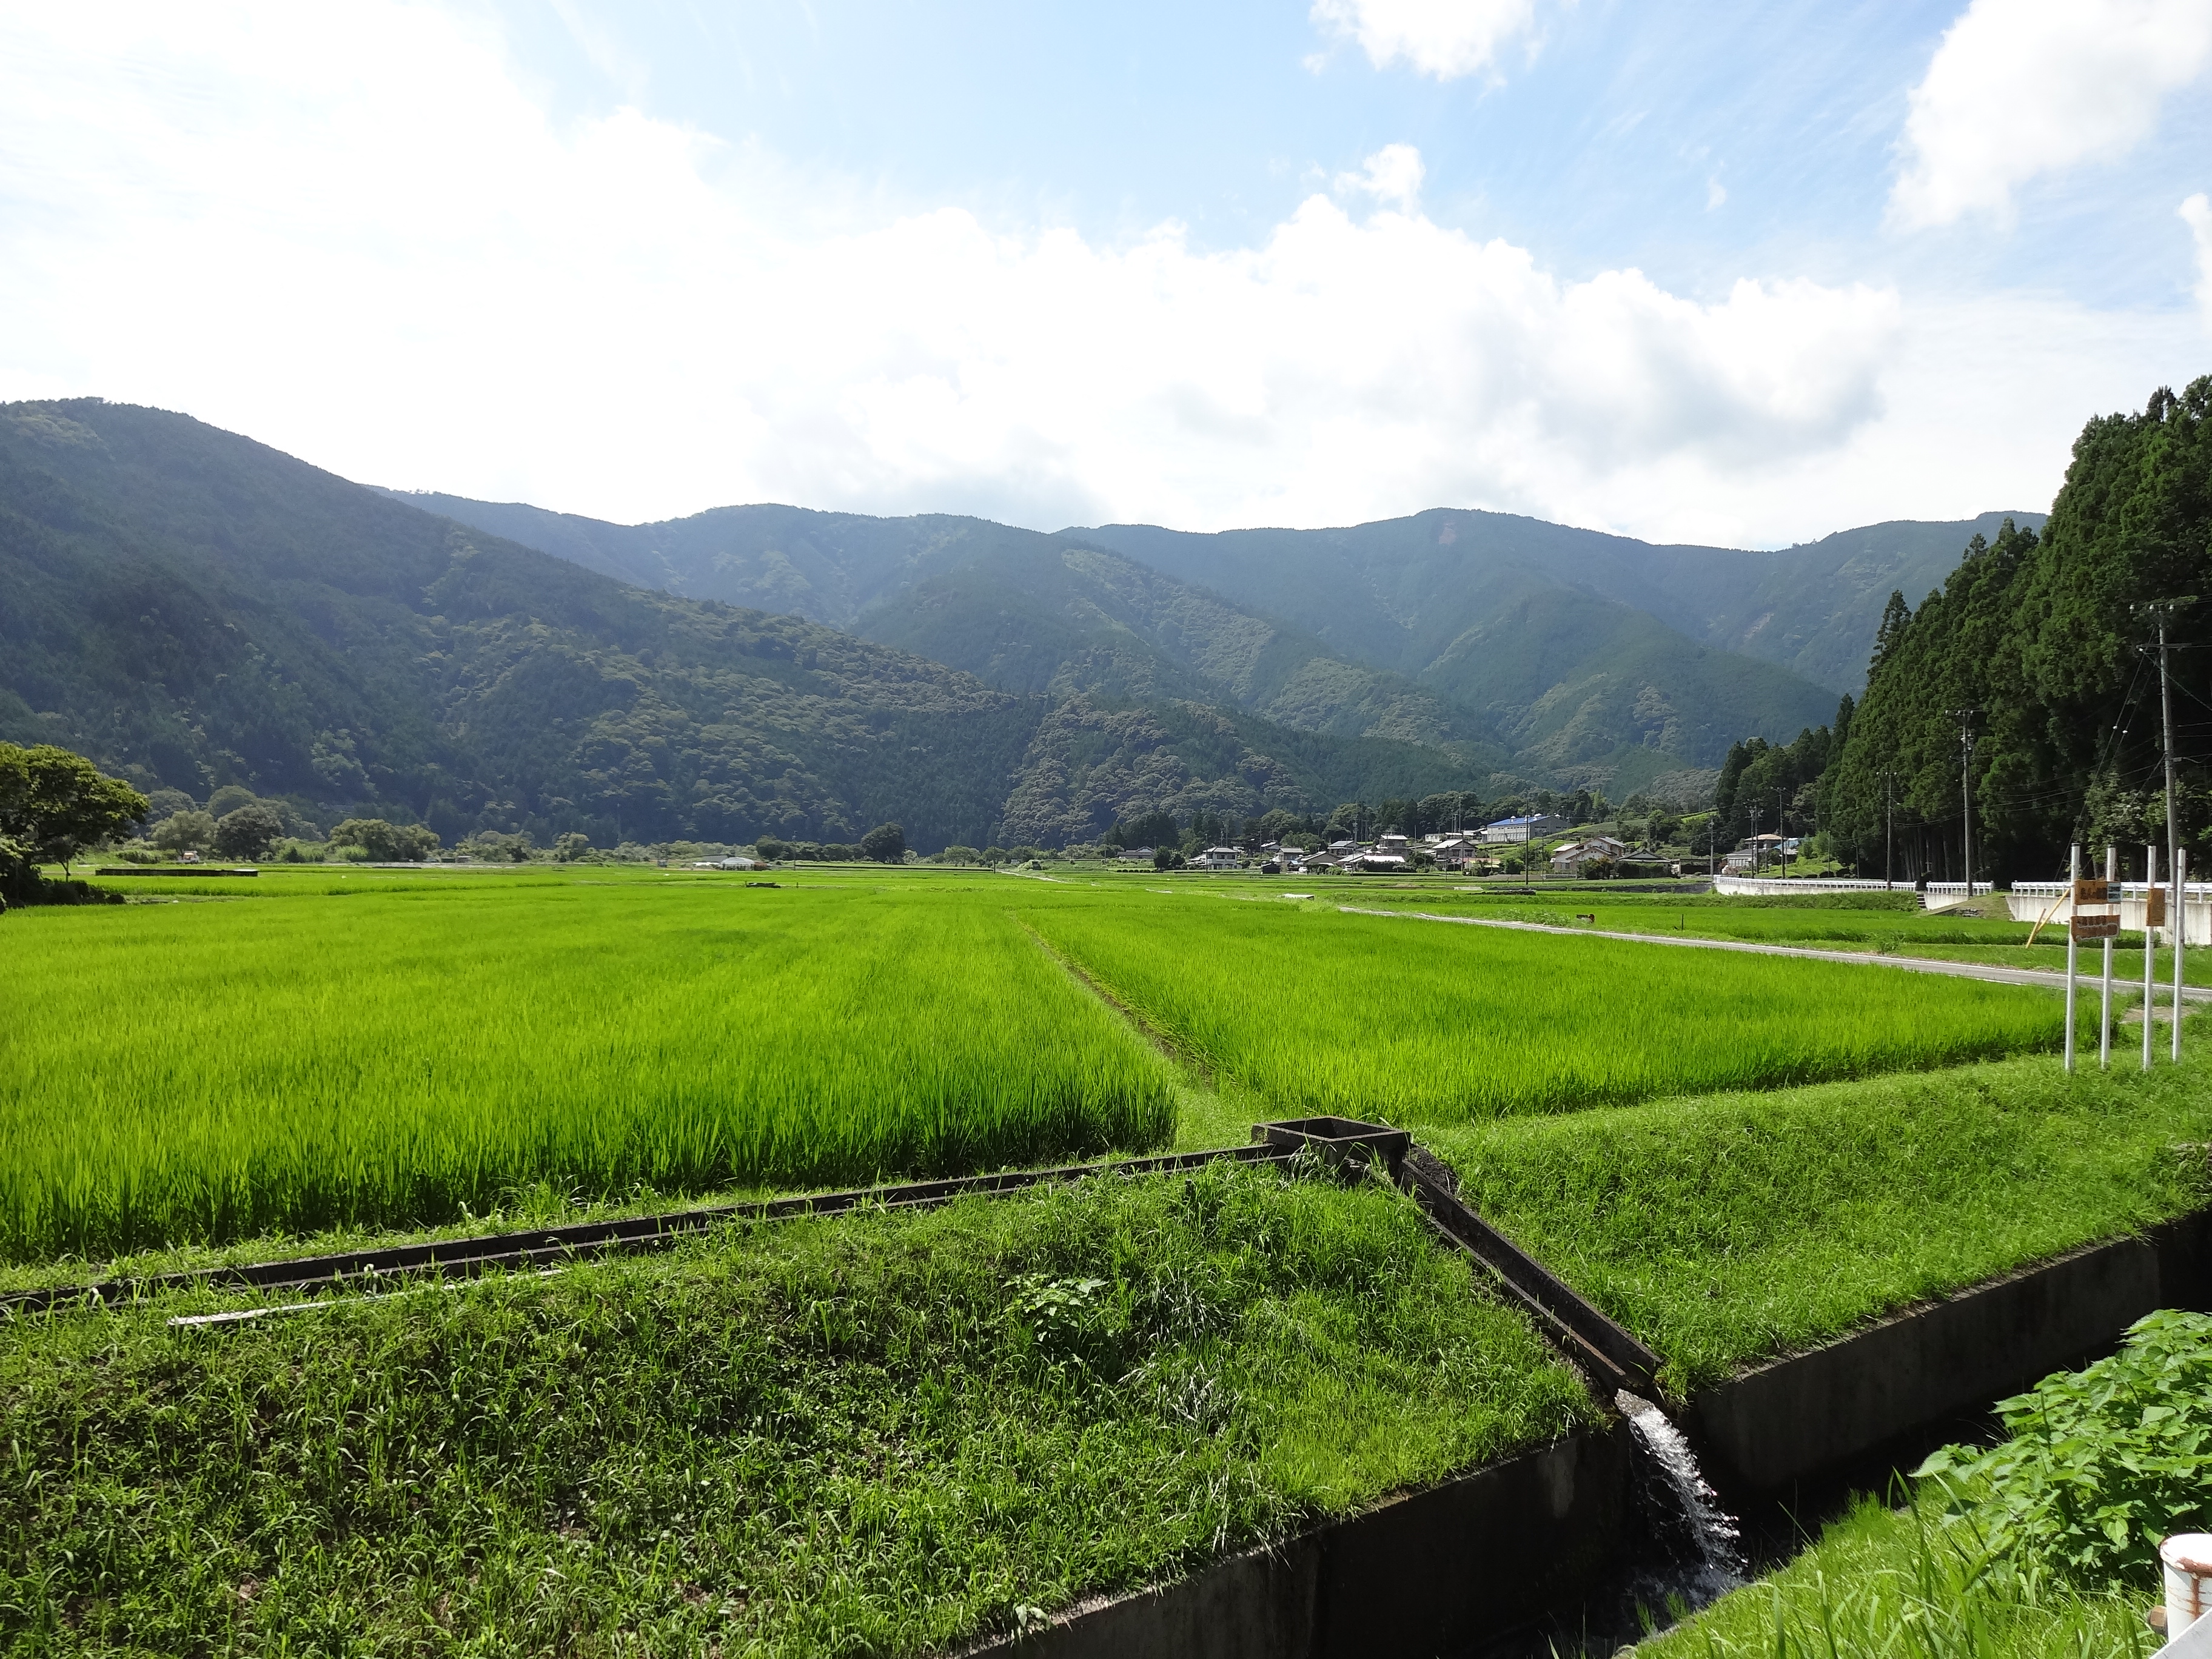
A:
(1576, 856)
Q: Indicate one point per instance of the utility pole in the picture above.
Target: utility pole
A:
(1758, 858)
(1965, 719)
(1781, 849)
(2177, 917)
(1888, 831)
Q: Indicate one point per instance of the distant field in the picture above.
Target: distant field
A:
(324, 1048)
(428, 1045)
(1305, 1009)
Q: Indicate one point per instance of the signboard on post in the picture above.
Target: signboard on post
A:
(2155, 908)
(2104, 924)
(2092, 892)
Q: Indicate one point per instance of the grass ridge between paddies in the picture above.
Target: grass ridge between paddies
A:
(1731, 1229)
(884, 1433)
(211, 1072)
(1304, 1009)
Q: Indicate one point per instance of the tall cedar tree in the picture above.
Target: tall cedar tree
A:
(2043, 637)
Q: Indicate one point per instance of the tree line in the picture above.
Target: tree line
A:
(2019, 705)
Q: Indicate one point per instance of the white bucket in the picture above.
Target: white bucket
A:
(2187, 1557)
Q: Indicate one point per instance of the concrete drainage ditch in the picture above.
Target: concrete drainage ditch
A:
(1529, 1546)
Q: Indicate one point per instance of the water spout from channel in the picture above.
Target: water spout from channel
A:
(1709, 1543)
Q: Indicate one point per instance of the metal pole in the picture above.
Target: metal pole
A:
(2105, 1009)
(2073, 949)
(2166, 714)
(2180, 914)
(2151, 950)
(1888, 834)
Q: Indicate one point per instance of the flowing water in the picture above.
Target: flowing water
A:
(1704, 1544)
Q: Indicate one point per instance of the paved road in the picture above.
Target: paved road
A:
(1911, 964)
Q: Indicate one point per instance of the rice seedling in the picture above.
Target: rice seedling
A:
(1305, 1009)
(407, 1054)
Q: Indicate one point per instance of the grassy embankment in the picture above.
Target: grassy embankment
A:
(882, 1433)
(1730, 1229)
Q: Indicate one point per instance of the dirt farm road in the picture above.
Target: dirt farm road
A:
(1911, 964)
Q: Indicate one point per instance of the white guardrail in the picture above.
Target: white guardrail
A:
(2031, 900)
(1783, 886)
(1938, 895)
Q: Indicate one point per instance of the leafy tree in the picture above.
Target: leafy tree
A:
(55, 804)
(386, 843)
(228, 800)
(769, 848)
(885, 843)
(161, 804)
(567, 848)
(249, 831)
(188, 831)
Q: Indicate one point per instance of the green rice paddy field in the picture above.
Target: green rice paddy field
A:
(349, 1049)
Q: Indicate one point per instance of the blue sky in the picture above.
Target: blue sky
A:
(1742, 274)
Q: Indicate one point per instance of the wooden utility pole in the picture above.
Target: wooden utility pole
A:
(1965, 719)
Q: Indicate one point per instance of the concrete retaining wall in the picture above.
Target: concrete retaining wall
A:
(1435, 1571)
(1798, 1416)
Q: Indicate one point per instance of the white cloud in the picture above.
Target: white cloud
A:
(1715, 195)
(1445, 38)
(2023, 87)
(348, 234)
(1393, 176)
(2196, 212)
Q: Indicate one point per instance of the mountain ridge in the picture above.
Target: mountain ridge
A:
(1600, 683)
(193, 609)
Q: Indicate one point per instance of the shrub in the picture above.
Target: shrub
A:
(2098, 1464)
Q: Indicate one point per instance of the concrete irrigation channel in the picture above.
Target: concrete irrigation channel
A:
(1510, 1557)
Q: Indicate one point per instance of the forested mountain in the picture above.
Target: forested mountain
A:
(2041, 637)
(1019, 609)
(193, 608)
(1596, 659)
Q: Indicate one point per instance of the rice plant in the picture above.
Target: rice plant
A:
(214, 1071)
(1310, 1010)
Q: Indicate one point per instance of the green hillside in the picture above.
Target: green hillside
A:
(1510, 618)
(1021, 611)
(193, 608)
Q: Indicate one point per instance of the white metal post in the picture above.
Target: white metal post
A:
(2180, 914)
(2151, 950)
(2105, 1008)
(2073, 949)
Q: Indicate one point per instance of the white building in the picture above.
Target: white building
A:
(1513, 831)
(1218, 858)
